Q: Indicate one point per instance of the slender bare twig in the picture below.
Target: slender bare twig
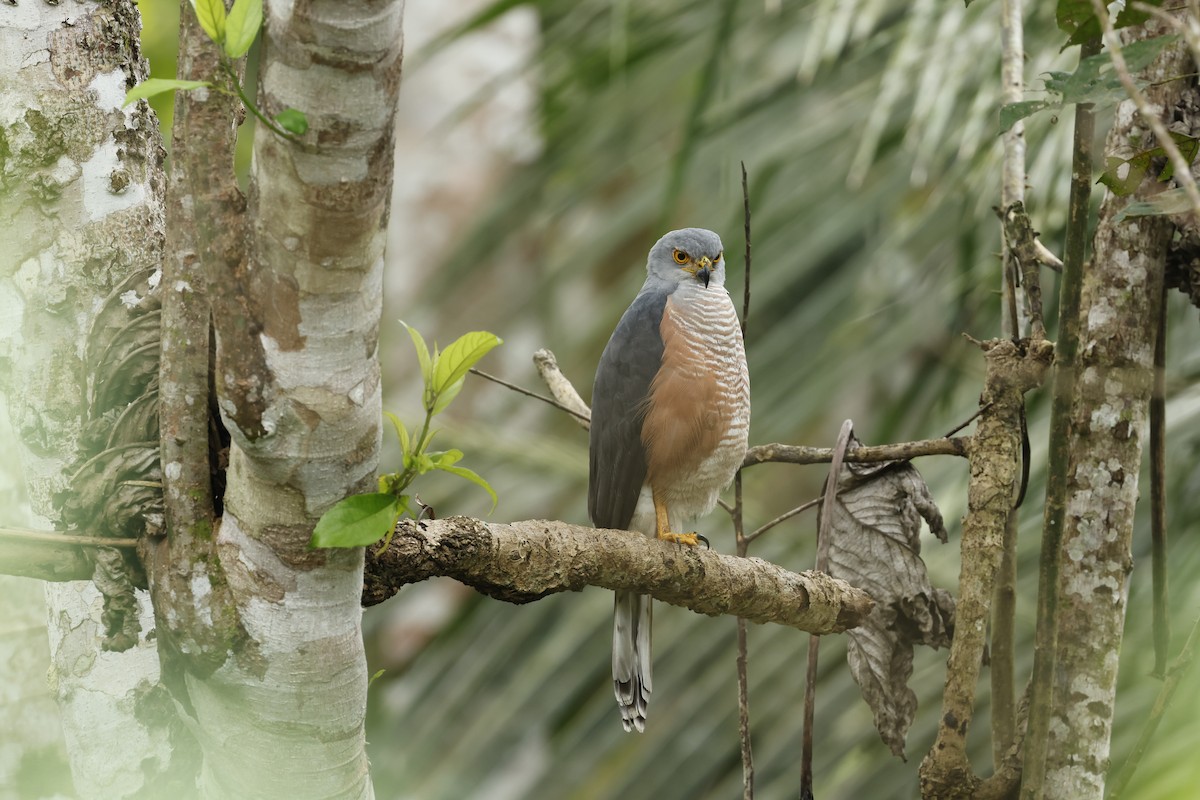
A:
(1012, 172)
(761, 529)
(1158, 494)
(1182, 168)
(743, 675)
(968, 420)
(814, 642)
(743, 543)
(746, 227)
(528, 393)
(57, 538)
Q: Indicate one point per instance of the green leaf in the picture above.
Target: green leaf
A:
(211, 14)
(359, 520)
(447, 395)
(1077, 18)
(1139, 164)
(401, 431)
(1172, 201)
(1130, 15)
(292, 121)
(460, 356)
(375, 677)
(1011, 113)
(446, 458)
(245, 18)
(1093, 81)
(474, 478)
(422, 351)
(153, 86)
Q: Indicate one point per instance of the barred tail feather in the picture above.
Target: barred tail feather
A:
(631, 657)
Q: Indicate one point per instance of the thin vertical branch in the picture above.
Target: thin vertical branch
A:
(1012, 191)
(746, 229)
(743, 680)
(1042, 690)
(824, 523)
(743, 544)
(1158, 493)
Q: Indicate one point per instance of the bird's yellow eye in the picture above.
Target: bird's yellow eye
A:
(680, 257)
(720, 255)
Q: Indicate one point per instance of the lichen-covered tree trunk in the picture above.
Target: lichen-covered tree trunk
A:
(299, 389)
(80, 210)
(1118, 319)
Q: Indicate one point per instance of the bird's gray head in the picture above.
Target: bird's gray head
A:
(689, 255)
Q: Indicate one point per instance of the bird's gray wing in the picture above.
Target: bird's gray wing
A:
(617, 464)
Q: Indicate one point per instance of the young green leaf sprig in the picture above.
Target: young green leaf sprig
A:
(233, 33)
(364, 519)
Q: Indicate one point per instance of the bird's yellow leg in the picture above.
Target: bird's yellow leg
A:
(663, 526)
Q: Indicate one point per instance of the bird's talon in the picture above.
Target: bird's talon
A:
(690, 539)
(707, 546)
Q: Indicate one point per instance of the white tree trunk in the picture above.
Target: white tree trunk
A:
(1118, 319)
(81, 210)
(284, 717)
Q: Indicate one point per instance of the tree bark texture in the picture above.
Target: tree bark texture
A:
(995, 473)
(299, 389)
(524, 561)
(80, 212)
(1120, 302)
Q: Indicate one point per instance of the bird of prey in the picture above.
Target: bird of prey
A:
(670, 418)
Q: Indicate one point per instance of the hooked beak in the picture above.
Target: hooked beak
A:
(704, 270)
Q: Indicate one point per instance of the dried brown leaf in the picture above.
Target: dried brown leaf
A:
(875, 545)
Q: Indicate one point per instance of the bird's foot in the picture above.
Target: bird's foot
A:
(692, 539)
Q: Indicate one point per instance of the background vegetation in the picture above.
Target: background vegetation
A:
(869, 130)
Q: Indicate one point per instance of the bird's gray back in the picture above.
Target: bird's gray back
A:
(617, 459)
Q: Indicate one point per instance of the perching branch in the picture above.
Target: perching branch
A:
(520, 562)
(795, 454)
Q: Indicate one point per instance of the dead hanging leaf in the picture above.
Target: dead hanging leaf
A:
(875, 545)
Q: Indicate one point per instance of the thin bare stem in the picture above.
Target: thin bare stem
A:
(968, 420)
(528, 393)
(746, 226)
(56, 538)
(782, 518)
(1012, 196)
(743, 678)
(1158, 494)
(743, 545)
(1012, 180)
(824, 527)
